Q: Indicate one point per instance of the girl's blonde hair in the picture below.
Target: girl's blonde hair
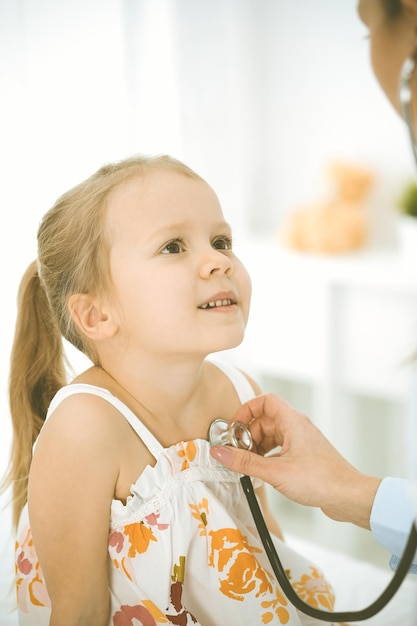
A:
(72, 258)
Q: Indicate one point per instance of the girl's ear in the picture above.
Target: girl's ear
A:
(92, 317)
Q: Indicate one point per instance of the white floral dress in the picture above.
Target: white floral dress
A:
(184, 548)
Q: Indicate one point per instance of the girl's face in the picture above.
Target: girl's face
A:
(178, 287)
(392, 41)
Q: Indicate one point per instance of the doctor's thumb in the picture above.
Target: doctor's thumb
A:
(242, 461)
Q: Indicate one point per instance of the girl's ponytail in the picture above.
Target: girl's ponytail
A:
(37, 371)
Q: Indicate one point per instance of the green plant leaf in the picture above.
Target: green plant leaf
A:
(407, 202)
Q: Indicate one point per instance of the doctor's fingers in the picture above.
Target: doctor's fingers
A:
(243, 462)
(289, 477)
(271, 421)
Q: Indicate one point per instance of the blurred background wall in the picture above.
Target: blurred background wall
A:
(257, 95)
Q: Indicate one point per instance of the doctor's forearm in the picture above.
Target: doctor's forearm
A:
(353, 499)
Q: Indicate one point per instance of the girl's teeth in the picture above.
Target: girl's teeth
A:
(213, 304)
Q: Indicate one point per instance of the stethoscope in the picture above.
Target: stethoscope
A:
(236, 434)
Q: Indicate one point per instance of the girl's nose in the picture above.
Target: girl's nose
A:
(215, 261)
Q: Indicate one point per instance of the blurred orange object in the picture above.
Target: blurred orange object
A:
(339, 224)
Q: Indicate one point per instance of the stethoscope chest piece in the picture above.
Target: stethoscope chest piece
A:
(224, 433)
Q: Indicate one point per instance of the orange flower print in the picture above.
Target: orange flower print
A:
(135, 539)
(233, 556)
(242, 574)
(139, 537)
(315, 590)
(30, 583)
(226, 542)
(275, 606)
(201, 514)
(188, 451)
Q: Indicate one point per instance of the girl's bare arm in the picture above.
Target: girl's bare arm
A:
(72, 481)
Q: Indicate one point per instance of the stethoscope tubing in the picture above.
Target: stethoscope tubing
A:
(290, 593)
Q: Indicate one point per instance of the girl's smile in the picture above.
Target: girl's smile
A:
(220, 302)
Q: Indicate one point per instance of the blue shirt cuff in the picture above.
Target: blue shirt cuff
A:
(391, 518)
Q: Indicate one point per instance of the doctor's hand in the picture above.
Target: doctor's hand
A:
(307, 468)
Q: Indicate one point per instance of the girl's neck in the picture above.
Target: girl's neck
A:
(166, 394)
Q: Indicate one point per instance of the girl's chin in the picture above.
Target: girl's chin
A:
(229, 345)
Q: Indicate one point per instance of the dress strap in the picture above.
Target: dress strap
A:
(153, 445)
(242, 385)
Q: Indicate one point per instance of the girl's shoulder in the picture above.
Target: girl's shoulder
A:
(80, 414)
(86, 403)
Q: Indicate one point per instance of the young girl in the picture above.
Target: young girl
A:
(131, 520)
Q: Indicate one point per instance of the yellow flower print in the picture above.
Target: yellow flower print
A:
(201, 514)
(158, 616)
(315, 590)
(188, 451)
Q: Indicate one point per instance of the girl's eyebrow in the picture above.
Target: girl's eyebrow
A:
(187, 225)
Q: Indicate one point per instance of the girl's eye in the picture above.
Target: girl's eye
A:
(222, 243)
(173, 247)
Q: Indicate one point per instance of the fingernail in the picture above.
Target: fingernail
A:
(224, 454)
